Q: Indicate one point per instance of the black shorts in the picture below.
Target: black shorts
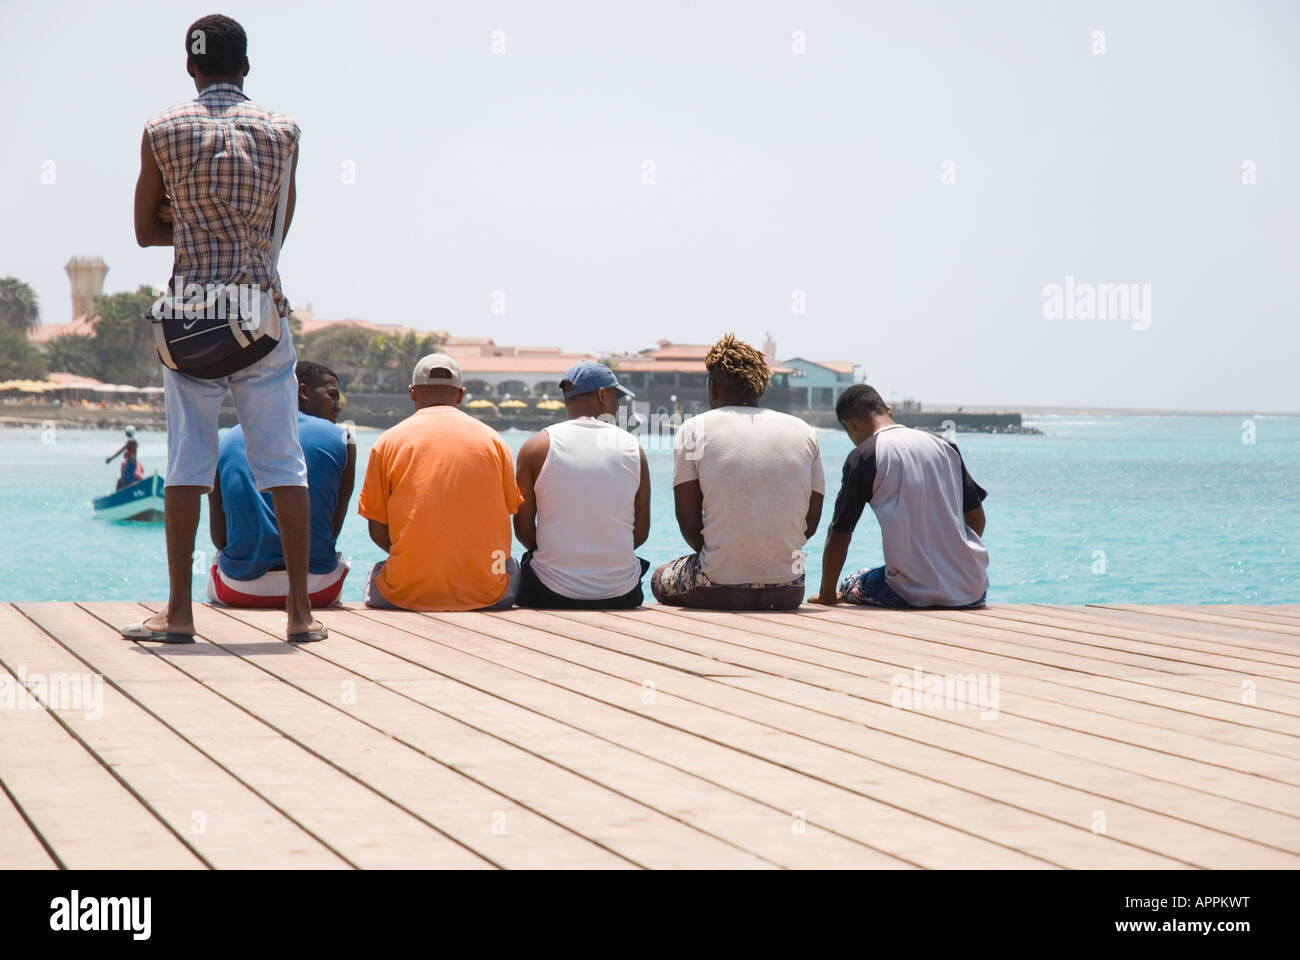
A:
(533, 593)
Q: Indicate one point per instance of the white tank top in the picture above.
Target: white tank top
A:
(585, 492)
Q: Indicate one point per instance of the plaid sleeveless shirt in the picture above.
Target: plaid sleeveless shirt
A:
(222, 158)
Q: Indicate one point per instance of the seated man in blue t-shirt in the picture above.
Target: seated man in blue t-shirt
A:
(250, 570)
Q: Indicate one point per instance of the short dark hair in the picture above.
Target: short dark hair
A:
(859, 402)
(216, 45)
(312, 374)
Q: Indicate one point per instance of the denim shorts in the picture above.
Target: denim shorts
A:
(869, 587)
(266, 401)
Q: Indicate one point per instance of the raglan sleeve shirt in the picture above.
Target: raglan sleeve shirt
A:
(856, 483)
(972, 494)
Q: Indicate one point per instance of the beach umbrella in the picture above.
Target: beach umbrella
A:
(514, 404)
(481, 404)
(550, 405)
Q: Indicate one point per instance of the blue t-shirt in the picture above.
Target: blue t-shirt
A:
(252, 537)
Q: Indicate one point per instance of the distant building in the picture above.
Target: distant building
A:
(671, 378)
(817, 384)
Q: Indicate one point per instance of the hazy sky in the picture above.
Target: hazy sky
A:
(774, 172)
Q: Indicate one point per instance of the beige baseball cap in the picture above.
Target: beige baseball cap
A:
(437, 369)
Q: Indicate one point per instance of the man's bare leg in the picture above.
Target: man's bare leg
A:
(181, 507)
(293, 517)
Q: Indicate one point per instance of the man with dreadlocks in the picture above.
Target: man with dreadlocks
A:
(748, 485)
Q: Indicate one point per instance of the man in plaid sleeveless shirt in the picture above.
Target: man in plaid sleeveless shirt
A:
(210, 176)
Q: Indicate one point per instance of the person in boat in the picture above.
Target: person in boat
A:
(930, 512)
(748, 487)
(438, 495)
(586, 489)
(250, 570)
(131, 469)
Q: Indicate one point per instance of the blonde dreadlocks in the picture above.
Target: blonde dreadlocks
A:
(737, 363)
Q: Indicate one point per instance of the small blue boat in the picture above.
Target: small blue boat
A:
(141, 501)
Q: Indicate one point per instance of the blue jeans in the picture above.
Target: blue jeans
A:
(869, 588)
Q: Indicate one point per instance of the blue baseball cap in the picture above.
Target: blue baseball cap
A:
(587, 376)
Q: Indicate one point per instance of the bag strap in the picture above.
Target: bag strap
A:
(278, 236)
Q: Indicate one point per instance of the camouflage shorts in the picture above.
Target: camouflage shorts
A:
(683, 583)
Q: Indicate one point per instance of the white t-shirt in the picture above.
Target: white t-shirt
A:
(920, 491)
(757, 469)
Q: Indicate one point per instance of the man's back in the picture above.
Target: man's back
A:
(222, 158)
(920, 491)
(444, 485)
(586, 492)
(757, 470)
(252, 537)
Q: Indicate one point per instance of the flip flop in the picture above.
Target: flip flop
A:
(138, 631)
(310, 636)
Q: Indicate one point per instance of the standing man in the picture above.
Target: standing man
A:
(930, 511)
(748, 486)
(210, 175)
(586, 490)
(439, 493)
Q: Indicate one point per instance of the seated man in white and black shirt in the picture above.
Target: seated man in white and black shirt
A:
(928, 507)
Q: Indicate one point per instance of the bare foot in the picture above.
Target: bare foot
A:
(161, 623)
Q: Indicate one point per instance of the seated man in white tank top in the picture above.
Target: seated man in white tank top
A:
(586, 490)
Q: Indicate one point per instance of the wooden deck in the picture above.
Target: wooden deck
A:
(1124, 736)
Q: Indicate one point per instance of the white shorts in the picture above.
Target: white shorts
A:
(266, 400)
(271, 589)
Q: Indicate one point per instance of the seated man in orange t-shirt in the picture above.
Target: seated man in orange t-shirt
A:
(439, 493)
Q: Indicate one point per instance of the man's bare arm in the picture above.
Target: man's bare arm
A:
(975, 520)
(688, 499)
(814, 517)
(150, 199)
(833, 557)
(346, 483)
(379, 534)
(641, 506)
(527, 465)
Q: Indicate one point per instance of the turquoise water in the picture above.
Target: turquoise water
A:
(1104, 508)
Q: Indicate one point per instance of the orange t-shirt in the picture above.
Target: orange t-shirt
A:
(444, 483)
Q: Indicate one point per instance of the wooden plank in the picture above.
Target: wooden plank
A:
(20, 847)
(1104, 626)
(1056, 710)
(1138, 756)
(614, 709)
(84, 814)
(1277, 633)
(224, 822)
(907, 740)
(1089, 630)
(1283, 694)
(970, 810)
(456, 805)
(637, 831)
(364, 828)
(705, 806)
(1109, 619)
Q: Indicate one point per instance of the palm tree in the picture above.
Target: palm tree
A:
(19, 309)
